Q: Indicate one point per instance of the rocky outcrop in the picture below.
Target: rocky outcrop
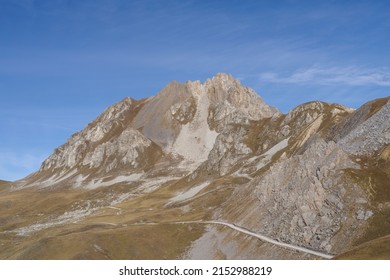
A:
(75, 149)
(304, 199)
(127, 149)
(368, 136)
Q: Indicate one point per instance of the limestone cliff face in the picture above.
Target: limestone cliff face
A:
(316, 177)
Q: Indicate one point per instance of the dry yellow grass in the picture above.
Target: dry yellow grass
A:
(377, 249)
(4, 184)
(374, 178)
(107, 233)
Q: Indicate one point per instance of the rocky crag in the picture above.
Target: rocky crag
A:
(208, 171)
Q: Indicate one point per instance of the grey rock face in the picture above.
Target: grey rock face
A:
(312, 110)
(72, 153)
(304, 197)
(156, 120)
(232, 99)
(127, 148)
(370, 135)
(363, 215)
(229, 148)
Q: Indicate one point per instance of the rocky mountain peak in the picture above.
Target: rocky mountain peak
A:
(315, 180)
(224, 81)
(181, 114)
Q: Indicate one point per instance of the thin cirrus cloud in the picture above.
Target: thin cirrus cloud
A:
(14, 164)
(351, 76)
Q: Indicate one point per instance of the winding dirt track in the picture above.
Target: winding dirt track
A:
(259, 236)
(270, 240)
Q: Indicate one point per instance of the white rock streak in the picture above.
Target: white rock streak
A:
(120, 179)
(266, 157)
(190, 193)
(263, 159)
(195, 139)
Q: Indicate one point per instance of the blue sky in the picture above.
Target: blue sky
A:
(63, 62)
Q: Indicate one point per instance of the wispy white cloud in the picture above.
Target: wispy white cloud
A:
(24, 161)
(14, 165)
(352, 76)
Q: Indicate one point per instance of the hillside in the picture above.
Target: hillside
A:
(208, 171)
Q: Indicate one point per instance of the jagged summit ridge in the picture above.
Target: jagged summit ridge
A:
(181, 115)
(161, 119)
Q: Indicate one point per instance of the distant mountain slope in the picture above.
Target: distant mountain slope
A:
(3, 183)
(162, 177)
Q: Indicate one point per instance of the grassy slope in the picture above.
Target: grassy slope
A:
(374, 178)
(377, 249)
(106, 234)
(4, 184)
